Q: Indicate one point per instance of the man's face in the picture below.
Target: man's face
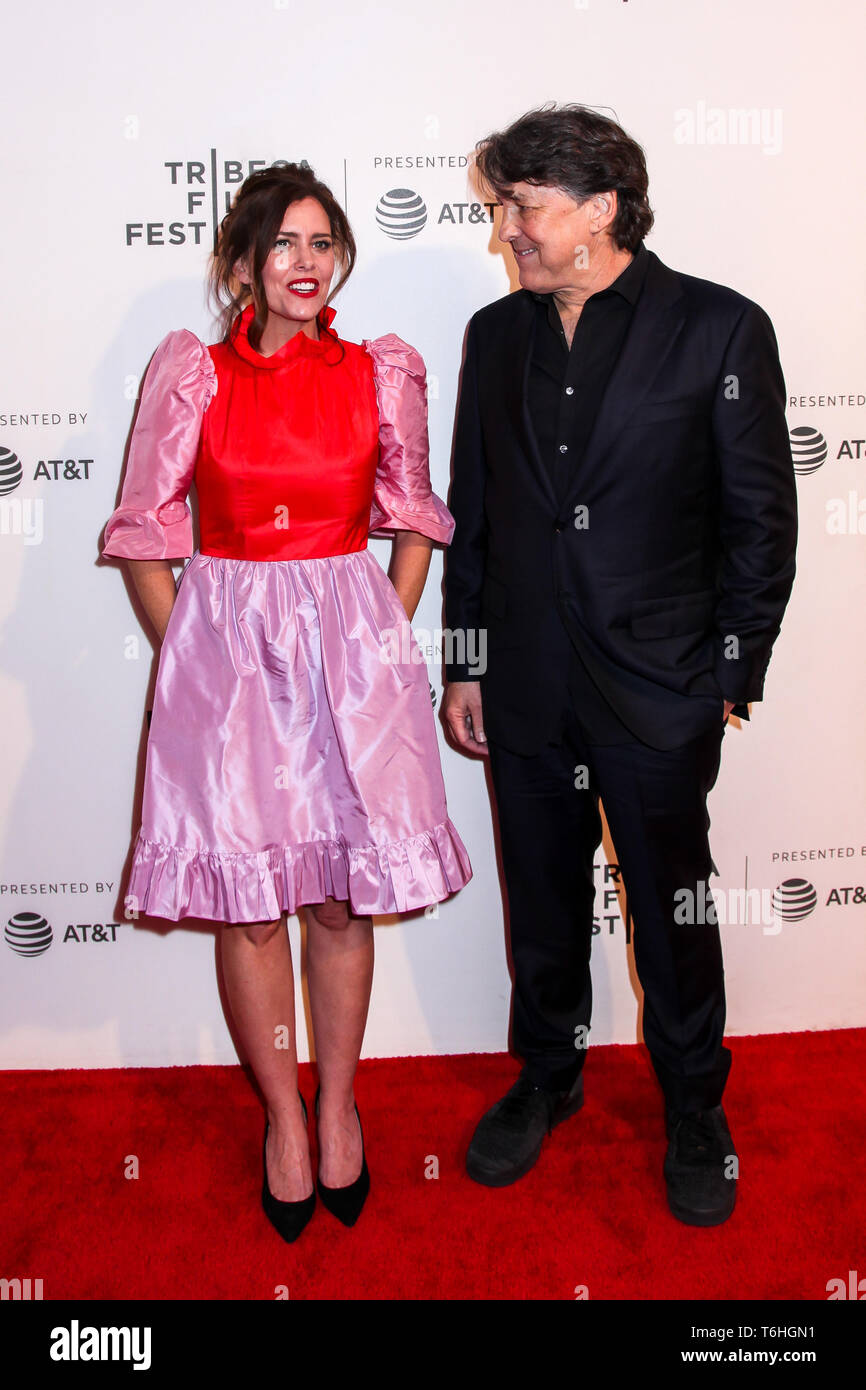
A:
(550, 235)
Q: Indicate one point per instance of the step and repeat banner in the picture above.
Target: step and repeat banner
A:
(127, 132)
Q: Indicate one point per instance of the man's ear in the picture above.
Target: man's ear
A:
(604, 207)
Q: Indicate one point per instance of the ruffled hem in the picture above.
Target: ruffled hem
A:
(172, 882)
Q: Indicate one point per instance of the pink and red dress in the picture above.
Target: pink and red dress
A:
(292, 752)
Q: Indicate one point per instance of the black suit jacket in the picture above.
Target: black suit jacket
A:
(672, 583)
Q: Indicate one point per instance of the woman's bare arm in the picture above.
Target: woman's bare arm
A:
(154, 582)
(410, 561)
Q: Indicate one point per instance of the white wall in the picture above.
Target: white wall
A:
(98, 102)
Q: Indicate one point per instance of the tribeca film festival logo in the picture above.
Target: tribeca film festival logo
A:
(202, 193)
(756, 126)
(614, 898)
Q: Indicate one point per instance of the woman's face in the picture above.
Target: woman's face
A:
(298, 272)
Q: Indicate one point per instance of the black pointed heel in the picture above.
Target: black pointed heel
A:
(289, 1218)
(346, 1203)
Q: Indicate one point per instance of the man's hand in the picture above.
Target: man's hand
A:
(461, 708)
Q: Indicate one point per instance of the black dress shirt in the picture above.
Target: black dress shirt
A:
(566, 386)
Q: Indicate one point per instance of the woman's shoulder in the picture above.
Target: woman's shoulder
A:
(181, 342)
(183, 359)
(390, 352)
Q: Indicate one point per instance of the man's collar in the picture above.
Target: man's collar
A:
(628, 283)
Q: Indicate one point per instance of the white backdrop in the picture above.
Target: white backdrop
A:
(124, 130)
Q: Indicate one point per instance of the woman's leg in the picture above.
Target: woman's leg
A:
(340, 977)
(257, 968)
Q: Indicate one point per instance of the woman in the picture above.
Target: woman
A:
(291, 761)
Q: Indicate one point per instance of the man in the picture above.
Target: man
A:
(625, 531)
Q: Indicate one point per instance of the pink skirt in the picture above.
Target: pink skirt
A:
(292, 753)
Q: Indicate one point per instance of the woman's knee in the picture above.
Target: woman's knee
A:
(330, 914)
(257, 933)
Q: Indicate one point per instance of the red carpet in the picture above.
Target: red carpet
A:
(592, 1212)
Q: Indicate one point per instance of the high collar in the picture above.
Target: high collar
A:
(299, 345)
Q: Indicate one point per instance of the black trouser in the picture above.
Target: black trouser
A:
(655, 803)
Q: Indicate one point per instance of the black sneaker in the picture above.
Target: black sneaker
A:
(700, 1167)
(508, 1139)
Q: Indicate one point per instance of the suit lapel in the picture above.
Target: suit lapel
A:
(519, 360)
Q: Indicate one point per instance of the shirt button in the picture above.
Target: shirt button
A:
(563, 448)
(569, 390)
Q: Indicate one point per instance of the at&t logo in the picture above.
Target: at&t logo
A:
(401, 213)
(794, 899)
(11, 471)
(808, 449)
(28, 934)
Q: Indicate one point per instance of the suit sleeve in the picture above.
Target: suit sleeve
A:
(758, 507)
(466, 559)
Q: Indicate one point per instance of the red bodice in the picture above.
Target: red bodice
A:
(287, 459)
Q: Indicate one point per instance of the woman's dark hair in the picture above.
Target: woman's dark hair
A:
(576, 150)
(250, 229)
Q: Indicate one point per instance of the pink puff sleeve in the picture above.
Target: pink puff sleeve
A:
(403, 499)
(153, 521)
